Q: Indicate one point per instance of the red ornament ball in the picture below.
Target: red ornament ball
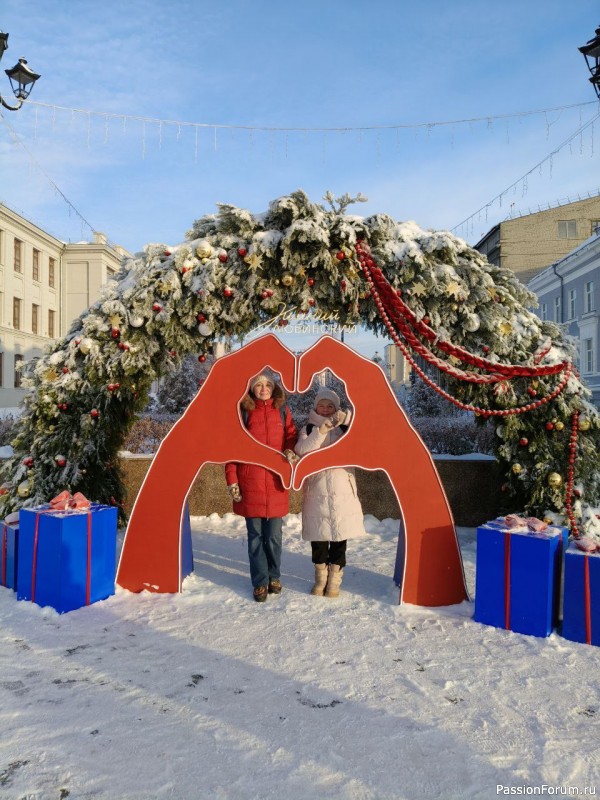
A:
(156, 307)
(227, 292)
(94, 413)
(549, 426)
(531, 391)
(202, 359)
(242, 252)
(343, 285)
(340, 255)
(61, 462)
(264, 294)
(523, 441)
(65, 370)
(270, 292)
(311, 281)
(115, 333)
(28, 462)
(485, 348)
(223, 257)
(200, 317)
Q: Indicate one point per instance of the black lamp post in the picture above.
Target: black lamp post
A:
(20, 76)
(591, 53)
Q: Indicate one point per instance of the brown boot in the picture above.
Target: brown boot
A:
(320, 580)
(334, 581)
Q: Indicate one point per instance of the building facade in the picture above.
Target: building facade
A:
(529, 243)
(569, 293)
(44, 285)
(396, 366)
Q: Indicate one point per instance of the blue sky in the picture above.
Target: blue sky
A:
(316, 63)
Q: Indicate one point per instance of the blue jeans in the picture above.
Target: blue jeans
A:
(264, 549)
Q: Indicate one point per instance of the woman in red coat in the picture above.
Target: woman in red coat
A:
(258, 494)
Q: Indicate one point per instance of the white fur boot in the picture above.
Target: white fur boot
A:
(320, 580)
(334, 581)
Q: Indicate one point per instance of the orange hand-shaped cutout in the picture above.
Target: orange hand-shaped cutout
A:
(380, 437)
(210, 431)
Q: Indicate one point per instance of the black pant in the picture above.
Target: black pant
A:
(329, 553)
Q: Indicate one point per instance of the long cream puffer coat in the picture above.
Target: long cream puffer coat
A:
(331, 510)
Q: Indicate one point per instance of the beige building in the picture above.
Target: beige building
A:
(395, 365)
(529, 243)
(44, 285)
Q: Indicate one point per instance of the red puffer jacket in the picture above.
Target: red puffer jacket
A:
(263, 494)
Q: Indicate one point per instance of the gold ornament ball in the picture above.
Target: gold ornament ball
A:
(554, 480)
(517, 469)
(276, 281)
(203, 250)
(287, 280)
(24, 489)
(584, 424)
(548, 520)
(559, 426)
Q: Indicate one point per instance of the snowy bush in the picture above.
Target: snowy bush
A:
(456, 436)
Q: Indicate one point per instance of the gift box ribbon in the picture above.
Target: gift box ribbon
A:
(88, 567)
(507, 581)
(587, 598)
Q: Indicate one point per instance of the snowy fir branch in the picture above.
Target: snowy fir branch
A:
(237, 269)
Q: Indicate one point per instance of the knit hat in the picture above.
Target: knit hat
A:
(328, 394)
(262, 377)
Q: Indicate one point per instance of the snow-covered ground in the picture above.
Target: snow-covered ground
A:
(209, 695)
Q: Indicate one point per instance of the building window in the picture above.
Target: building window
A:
(18, 255)
(18, 376)
(567, 229)
(595, 228)
(1, 248)
(588, 355)
(36, 265)
(1, 369)
(51, 323)
(51, 272)
(572, 303)
(17, 313)
(35, 318)
(589, 297)
(543, 311)
(557, 317)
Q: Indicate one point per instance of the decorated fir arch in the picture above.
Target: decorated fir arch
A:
(441, 302)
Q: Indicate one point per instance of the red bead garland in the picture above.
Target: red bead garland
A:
(396, 308)
(571, 474)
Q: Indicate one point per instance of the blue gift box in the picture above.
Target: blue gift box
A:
(67, 559)
(187, 557)
(517, 578)
(9, 554)
(581, 600)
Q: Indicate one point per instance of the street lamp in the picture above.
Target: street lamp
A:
(591, 53)
(20, 76)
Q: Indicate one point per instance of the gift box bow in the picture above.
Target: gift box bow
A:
(514, 522)
(65, 501)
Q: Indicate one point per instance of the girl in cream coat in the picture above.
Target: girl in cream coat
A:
(331, 510)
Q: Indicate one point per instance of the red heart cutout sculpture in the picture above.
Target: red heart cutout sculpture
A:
(428, 563)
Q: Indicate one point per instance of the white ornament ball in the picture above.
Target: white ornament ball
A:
(204, 329)
(136, 322)
(24, 489)
(85, 345)
(203, 249)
